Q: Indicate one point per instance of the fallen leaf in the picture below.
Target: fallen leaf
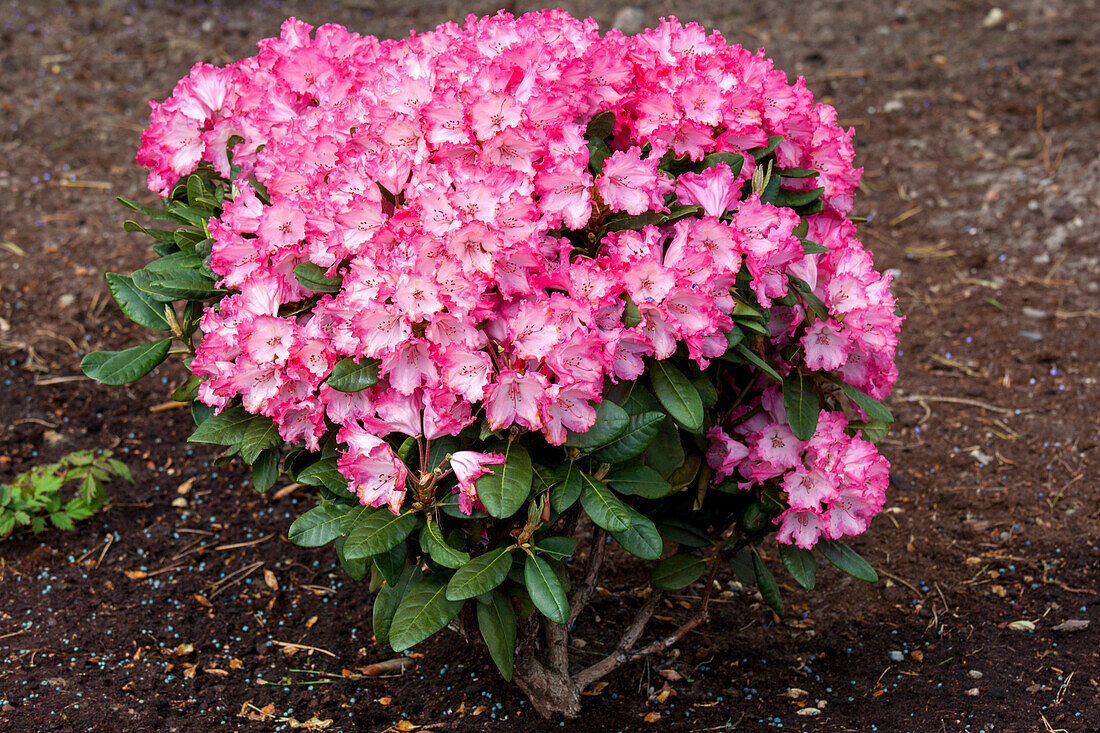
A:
(385, 700)
(479, 710)
(399, 664)
(595, 689)
(216, 671)
(134, 574)
(202, 600)
(1070, 625)
(268, 709)
(311, 622)
(1022, 625)
(235, 663)
(662, 696)
(795, 692)
(184, 649)
(917, 654)
(185, 487)
(270, 580)
(670, 674)
(189, 670)
(808, 712)
(406, 725)
(652, 717)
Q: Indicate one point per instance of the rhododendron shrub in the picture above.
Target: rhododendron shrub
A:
(504, 289)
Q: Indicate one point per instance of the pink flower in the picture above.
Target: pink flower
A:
(827, 345)
(628, 183)
(724, 453)
(468, 467)
(800, 527)
(374, 472)
(516, 397)
(715, 189)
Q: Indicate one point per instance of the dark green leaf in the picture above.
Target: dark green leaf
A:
(813, 248)
(683, 532)
(181, 284)
(765, 582)
(734, 160)
(557, 547)
(480, 575)
(847, 559)
(800, 564)
(666, 453)
(226, 428)
(639, 481)
(564, 493)
(601, 126)
(708, 393)
(260, 434)
(351, 376)
(761, 153)
(158, 214)
(379, 532)
(611, 421)
(389, 597)
(390, 564)
(545, 588)
(792, 199)
(505, 489)
(598, 152)
(750, 356)
(313, 278)
(874, 409)
(602, 506)
(812, 301)
(641, 538)
(265, 469)
(137, 305)
(677, 395)
(678, 571)
(357, 569)
(798, 173)
(319, 526)
(123, 367)
(497, 621)
(639, 433)
(431, 540)
(802, 405)
(323, 473)
(424, 611)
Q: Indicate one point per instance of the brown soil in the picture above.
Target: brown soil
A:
(983, 184)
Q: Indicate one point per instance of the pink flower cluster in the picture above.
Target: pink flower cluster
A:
(835, 483)
(441, 176)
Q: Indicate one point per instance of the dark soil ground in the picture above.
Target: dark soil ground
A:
(978, 130)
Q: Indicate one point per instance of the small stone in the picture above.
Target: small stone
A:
(1034, 688)
(66, 300)
(1032, 335)
(975, 674)
(893, 106)
(630, 20)
(993, 18)
(1034, 312)
(973, 692)
(179, 502)
(1064, 212)
(52, 437)
(896, 656)
(1070, 625)
(808, 712)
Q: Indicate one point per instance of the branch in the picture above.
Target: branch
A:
(557, 647)
(700, 616)
(596, 552)
(619, 657)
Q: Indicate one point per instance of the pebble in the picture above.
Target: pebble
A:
(1034, 312)
(630, 20)
(894, 105)
(896, 656)
(179, 502)
(808, 712)
(975, 674)
(1031, 335)
(993, 18)
(973, 692)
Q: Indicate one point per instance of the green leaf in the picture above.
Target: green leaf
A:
(260, 434)
(313, 278)
(734, 160)
(137, 305)
(319, 526)
(800, 564)
(323, 473)
(480, 575)
(765, 582)
(802, 405)
(354, 516)
(598, 152)
(683, 532)
(387, 600)
(566, 492)
(392, 563)
(158, 214)
(602, 506)
(358, 569)
(639, 481)
(379, 533)
(611, 421)
(678, 571)
(798, 173)
(61, 520)
(639, 433)
(874, 409)
(120, 468)
(226, 428)
(545, 588)
(497, 621)
(431, 540)
(265, 469)
(666, 453)
(792, 199)
(813, 248)
(677, 395)
(750, 356)
(505, 489)
(129, 365)
(601, 126)
(424, 611)
(807, 294)
(708, 393)
(761, 153)
(847, 560)
(557, 547)
(641, 538)
(350, 376)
